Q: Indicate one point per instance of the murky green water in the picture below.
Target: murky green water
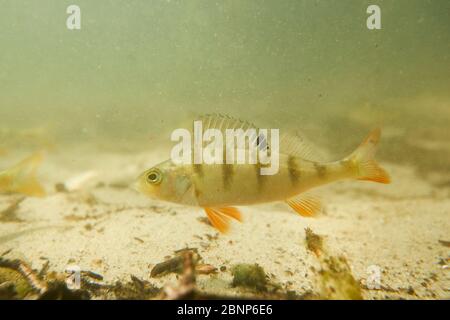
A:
(134, 67)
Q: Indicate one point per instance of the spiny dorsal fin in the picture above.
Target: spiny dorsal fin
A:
(298, 145)
(224, 122)
(295, 144)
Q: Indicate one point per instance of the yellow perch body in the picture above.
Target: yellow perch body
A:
(218, 187)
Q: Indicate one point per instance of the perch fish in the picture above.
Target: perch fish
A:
(217, 188)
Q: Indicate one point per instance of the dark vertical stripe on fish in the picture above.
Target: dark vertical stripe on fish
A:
(198, 169)
(197, 193)
(321, 170)
(227, 175)
(227, 170)
(260, 178)
(294, 170)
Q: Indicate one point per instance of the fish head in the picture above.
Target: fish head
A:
(164, 181)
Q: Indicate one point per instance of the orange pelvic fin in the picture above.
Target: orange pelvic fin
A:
(306, 205)
(220, 217)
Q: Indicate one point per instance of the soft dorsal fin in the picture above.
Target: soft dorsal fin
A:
(296, 144)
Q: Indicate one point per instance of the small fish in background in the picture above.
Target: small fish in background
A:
(219, 187)
(21, 178)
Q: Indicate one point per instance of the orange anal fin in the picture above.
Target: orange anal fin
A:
(231, 212)
(220, 217)
(305, 205)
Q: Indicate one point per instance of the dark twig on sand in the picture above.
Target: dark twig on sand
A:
(186, 289)
(445, 243)
(172, 265)
(7, 290)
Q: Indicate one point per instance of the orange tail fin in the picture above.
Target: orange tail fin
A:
(363, 158)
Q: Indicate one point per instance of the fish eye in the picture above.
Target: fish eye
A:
(154, 176)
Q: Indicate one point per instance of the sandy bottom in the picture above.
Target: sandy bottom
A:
(110, 229)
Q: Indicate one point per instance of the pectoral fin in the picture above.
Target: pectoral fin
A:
(220, 217)
(307, 205)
